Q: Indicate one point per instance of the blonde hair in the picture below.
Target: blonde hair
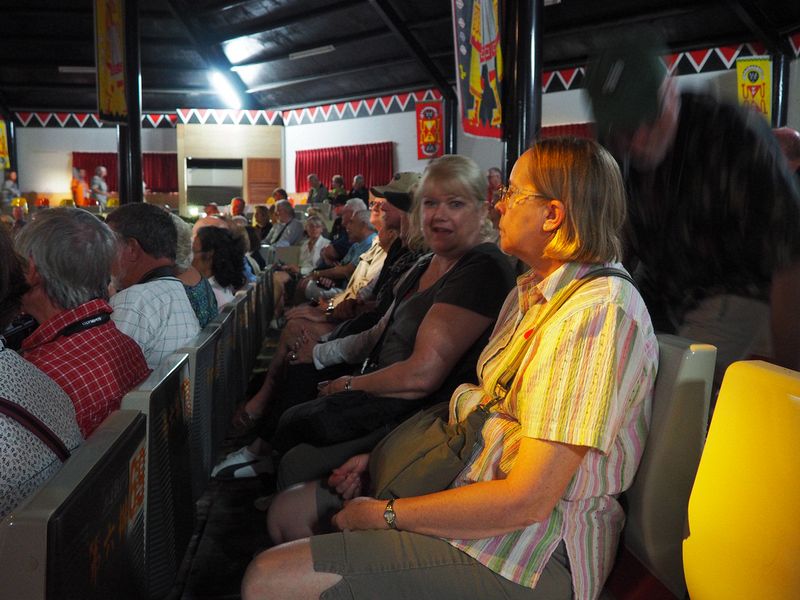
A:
(454, 174)
(586, 179)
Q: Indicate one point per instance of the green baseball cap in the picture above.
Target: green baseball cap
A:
(623, 83)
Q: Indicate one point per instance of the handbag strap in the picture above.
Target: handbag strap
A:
(503, 385)
(33, 424)
(406, 285)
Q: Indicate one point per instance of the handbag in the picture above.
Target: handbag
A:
(425, 453)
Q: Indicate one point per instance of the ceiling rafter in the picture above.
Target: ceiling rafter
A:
(382, 64)
(394, 22)
(269, 23)
(336, 41)
(754, 20)
(213, 55)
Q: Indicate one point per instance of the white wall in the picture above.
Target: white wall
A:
(45, 154)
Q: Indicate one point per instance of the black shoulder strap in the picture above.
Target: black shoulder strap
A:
(33, 424)
(405, 286)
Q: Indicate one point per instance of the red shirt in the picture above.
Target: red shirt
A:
(96, 367)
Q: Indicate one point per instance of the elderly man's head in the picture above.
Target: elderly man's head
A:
(70, 254)
(101, 171)
(359, 228)
(147, 239)
(313, 180)
(352, 206)
(284, 211)
(358, 182)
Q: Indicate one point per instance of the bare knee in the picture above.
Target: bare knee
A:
(293, 513)
(285, 572)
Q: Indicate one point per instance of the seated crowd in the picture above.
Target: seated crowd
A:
(409, 304)
(410, 299)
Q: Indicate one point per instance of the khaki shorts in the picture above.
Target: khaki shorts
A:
(390, 564)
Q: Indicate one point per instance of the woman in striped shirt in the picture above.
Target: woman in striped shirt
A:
(534, 514)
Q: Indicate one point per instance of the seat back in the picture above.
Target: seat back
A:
(743, 531)
(658, 498)
(201, 357)
(82, 534)
(228, 387)
(169, 511)
(289, 255)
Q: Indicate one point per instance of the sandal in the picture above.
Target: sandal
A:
(244, 422)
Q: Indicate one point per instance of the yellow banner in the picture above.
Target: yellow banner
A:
(109, 41)
(5, 161)
(754, 83)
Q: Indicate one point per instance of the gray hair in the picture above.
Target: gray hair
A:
(355, 204)
(183, 251)
(362, 216)
(286, 205)
(73, 252)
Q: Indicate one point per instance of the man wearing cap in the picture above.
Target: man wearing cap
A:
(713, 225)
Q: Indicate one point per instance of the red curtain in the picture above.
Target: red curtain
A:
(374, 161)
(581, 130)
(91, 160)
(159, 170)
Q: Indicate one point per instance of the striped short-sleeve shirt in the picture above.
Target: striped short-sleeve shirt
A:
(586, 379)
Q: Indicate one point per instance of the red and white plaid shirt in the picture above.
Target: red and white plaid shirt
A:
(96, 367)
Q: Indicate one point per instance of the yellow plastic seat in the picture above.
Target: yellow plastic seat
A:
(744, 530)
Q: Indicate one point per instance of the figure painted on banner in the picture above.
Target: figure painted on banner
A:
(99, 187)
(485, 64)
(10, 188)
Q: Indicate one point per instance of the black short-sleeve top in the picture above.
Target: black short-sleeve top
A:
(479, 281)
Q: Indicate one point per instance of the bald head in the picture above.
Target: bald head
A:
(789, 141)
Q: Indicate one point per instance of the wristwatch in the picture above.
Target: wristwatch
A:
(388, 514)
(348, 384)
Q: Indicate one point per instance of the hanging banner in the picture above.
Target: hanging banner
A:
(430, 130)
(5, 161)
(479, 66)
(109, 44)
(754, 82)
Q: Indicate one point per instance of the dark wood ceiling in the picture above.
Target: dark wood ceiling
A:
(47, 47)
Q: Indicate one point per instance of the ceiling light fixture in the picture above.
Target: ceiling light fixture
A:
(312, 52)
(225, 90)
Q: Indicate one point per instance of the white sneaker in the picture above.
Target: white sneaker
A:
(243, 464)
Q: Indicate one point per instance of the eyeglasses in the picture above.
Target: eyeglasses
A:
(511, 196)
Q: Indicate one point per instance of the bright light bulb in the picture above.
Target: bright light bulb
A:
(225, 90)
